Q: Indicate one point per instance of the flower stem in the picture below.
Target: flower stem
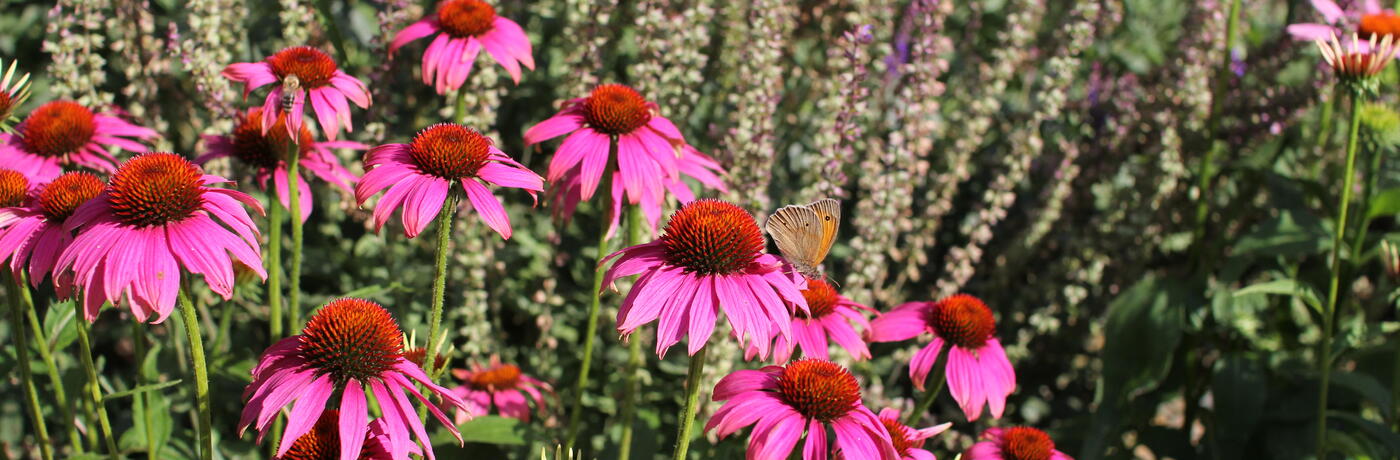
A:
(138, 340)
(294, 196)
(94, 392)
(444, 247)
(1324, 356)
(1206, 174)
(41, 344)
(26, 377)
(201, 375)
(692, 403)
(635, 359)
(932, 393)
(274, 270)
(595, 302)
(461, 110)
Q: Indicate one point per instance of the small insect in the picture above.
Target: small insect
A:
(291, 88)
(804, 233)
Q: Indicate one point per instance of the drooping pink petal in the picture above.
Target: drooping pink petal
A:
(923, 362)
(816, 447)
(904, 322)
(488, 207)
(417, 30)
(555, 126)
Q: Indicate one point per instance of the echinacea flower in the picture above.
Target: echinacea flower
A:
(267, 152)
(421, 174)
(64, 133)
(14, 188)
(317, 77)
(832, 316)
(157, 218)
(567, 191)
(502, 385)
(349, 344)
(1358, 63)
(464, 28)
(33, 235)
(1366, 18)
(805, 395)
(978, 372)
(13, 93)
(1015, 443)
(908, 441)
(709, 259)
(322, 441)
(651, 153)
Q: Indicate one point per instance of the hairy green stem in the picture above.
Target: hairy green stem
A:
(294, 196)
(94, 392)
(635, 358)
(461, 109)
(26, 376)
(141, 401)
(692, 403)
(274, 269)
(444, 247)
(41, 344)
(595, 303)
(940, 369)
(201, 376)
(1324, 356)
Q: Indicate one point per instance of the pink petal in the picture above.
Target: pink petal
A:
(354, 420)
(488, 207)
(417, 30)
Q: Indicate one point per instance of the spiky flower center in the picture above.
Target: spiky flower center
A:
(58, 128)
(819, 389)
(900, 436)
(450, 151)
(265, 151)
(61, 197)
(352, 339)
(616, 109)
(500, 377)
(1026, 443)
(312, 67)
(7, 105)
(417, 355)
(962, 320)
(712, 237)
(1379, 25)
(466, 18)
(321, 443)
(13, 188)
(821, 299)
(155, 189)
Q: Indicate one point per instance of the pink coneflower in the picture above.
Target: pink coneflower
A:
(14, 188)
(831, 316)
(350, 344)
(1358, 60)
(649, 149)
(808, 394)
(908, 441)
(64, 133)
(157, 218)
(13, 93)
(33, 235)
(709, 259)
(502, 385)
(567, 192)
(1016, 443)
(420, 174)
(267, 151)
(1366, 18)
(322, 441)
(316, 74)
(978, 372)
(464, 28)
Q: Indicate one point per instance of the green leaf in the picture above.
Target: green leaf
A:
(1291, 233)
(1384, 204)
(1285, 287)
(1240, 388)
(59, 324)
(1377, 431)
(140, 389)
(494, 429)
(1367, 387)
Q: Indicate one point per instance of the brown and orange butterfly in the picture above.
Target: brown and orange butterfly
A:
(804, 233)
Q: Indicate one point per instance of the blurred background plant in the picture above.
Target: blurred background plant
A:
(1049, 157)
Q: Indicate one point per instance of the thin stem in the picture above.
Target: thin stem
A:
(201, 376)
(26, 376)
(1324, 357)
(595, 302)
(1206, 174)
(41, 344)
(461, 112)
(932, 393)
(140, 401)
(274, 269)
(444, 247)
(692, 403)
(1368, 188)
(333, 28)
(635, 358)
(94, 392)
(294, 196)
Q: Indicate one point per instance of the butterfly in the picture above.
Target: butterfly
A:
(804, 233)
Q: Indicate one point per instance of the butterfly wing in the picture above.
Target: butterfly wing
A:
(804, 234)
(829, 211)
